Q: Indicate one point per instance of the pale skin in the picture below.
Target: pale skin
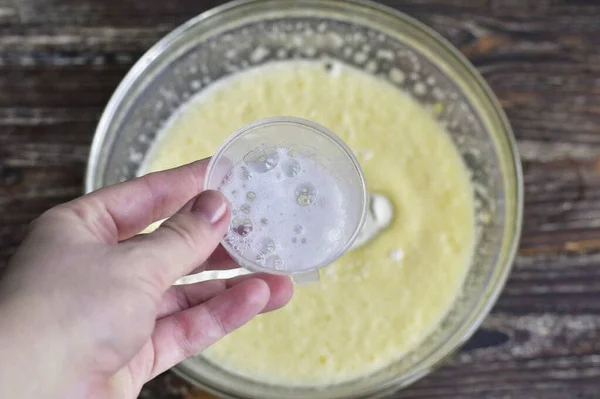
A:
(87, 306)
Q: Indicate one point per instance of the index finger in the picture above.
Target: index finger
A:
(125, 209)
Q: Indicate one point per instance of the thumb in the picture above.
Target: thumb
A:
(186, 239)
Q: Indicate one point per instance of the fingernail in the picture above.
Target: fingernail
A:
(211, 205)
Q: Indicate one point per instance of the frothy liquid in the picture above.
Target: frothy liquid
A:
(288, 213)
(378, 302)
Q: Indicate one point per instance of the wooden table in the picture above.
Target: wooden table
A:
(60, 60)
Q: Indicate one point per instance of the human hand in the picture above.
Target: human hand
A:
(87, 305)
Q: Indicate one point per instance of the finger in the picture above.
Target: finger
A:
(218, 260)
(185, 333)
(119, 212)
(182, 242)
(182, 297)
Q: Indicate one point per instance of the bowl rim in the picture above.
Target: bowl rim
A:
(512, 227)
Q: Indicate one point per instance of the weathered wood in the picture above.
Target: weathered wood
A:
(60, 60)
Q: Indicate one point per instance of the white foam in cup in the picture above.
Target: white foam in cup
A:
(297, 193)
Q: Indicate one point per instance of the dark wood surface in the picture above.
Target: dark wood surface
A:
(61, 59)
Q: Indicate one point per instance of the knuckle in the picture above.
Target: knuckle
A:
(185, 338)
(217, 322)
(57, 212)
(135, 254)
(87, 213)
(94, 215)
(150, 278)
(199, 331)
(49, 216)
(185, 231)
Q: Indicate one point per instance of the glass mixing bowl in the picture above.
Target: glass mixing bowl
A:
(382, 42)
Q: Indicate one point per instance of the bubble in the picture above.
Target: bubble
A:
(292, 168)
(250, 195)
(298, 229)
(274, 262)
(305, 194)
(267, 246)
(260, 258)
(245, 173)
(246, 208)
(244, 228)
(262, 160)
(334, 234)
(291, 153)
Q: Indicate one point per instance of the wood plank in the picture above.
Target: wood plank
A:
(111, 12)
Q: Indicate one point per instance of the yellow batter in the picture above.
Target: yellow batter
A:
(376, 303)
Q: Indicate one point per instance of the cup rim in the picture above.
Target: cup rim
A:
(313, 126)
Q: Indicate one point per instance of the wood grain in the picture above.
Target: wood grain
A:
(60, 60)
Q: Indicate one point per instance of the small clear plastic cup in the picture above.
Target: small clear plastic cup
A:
(297, 193)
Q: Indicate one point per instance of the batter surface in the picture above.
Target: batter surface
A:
(376, 303)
